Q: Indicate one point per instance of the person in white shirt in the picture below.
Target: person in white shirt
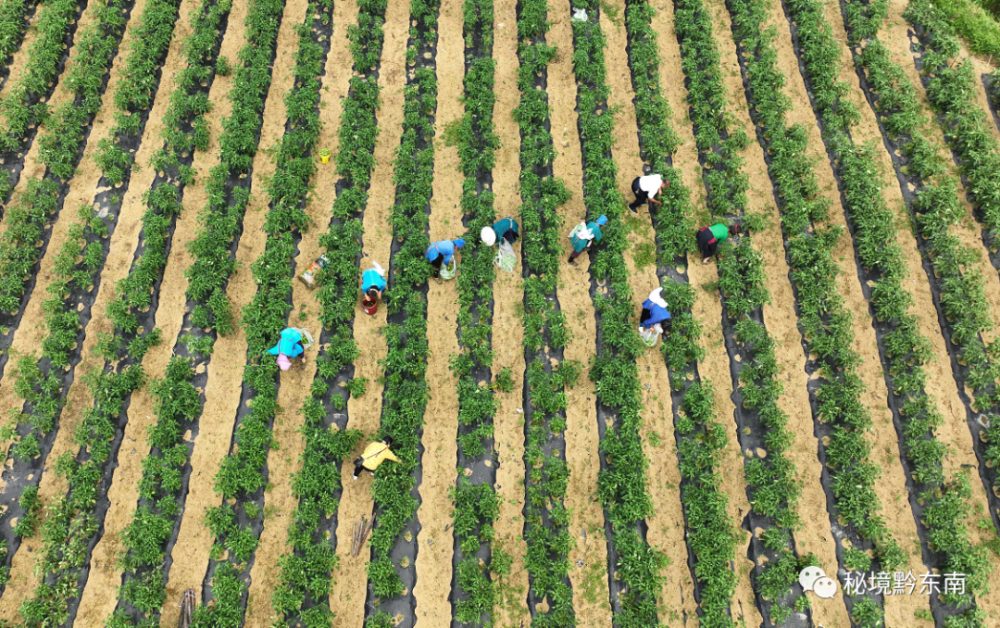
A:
(646, 189)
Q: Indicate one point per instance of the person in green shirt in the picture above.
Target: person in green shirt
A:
(710, 237)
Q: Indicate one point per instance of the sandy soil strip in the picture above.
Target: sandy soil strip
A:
(351, 580)
(96, 602)
(508, 334)
(440, 458)
(225, 370)
(19, 59)
(666, 526)
(283, 462)
(591, 595)
(119, 260)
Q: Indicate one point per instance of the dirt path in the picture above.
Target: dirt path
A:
(119, 260)
(508, 333)
(591, 597)
(666, 526)
(225, 370)
(350, 580)
(283, 462)
(436, 540)
(96, 604)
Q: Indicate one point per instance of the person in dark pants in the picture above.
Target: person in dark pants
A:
(506, 229)
(710, 237)
(654, 311)
(647, 188)
(374, 455)
(440, 253)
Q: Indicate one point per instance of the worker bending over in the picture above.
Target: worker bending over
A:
(374, 455)
(440, 253)
(372, 285)
(584, 234)
(710, 237)
(508, 229)
(647, 188)
(654, 312)
(289, 346)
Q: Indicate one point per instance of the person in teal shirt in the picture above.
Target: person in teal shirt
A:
(710, 237)
(373, 283)
(508, 229)
(440, 253)
(583, 236)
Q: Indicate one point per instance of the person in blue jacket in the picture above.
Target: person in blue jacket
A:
(440, 253)
(288, 346)
(654, 311)
(373, 284)
(582, 238)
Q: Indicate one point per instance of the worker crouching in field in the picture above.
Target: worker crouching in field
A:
(646, 189)
(372, 287)
(583, 235)
(374, 455)
(289, 346)
(655, 318)
(709, 239)
(506, 229)
(441, 253)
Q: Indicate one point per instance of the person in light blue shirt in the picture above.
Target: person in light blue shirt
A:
(583, 237)
(440, 253)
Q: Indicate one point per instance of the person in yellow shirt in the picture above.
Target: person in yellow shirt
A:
(374, 455)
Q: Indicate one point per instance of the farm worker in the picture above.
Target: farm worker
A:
(584, 234)
(710, 237)
(646, 189)
(508, 229)
(289, 346)
(373, 283)
(440, 254)
(374, 455)
(654, 312)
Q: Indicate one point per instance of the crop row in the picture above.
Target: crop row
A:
(772, 488)
(476, 502)
(547, 375)
(404, 399)
(42, 381)
(951, 87)
(306, 569)
(136, 88)
(700, 438)
(825, 321)
(228, 185)
(934, 211)
(14, 15)
(22, 108)
(622, 482)
(60, 145)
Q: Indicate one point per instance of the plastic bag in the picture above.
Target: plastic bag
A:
(506, 258)
(307, 339)
(448, 272)
(651, 335)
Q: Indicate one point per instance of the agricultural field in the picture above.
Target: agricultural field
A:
(814, 441)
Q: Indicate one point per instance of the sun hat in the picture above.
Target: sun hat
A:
(459, 243)
(488, 236)
(656, 298)
(603, 220)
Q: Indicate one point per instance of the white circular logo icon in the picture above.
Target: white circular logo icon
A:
(809, 576)
(825, 587)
